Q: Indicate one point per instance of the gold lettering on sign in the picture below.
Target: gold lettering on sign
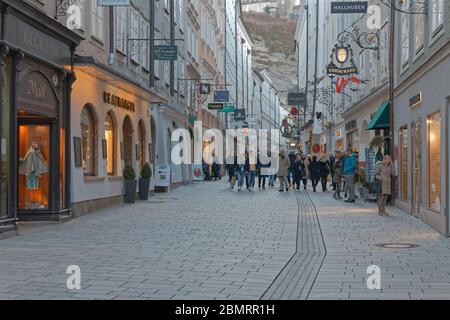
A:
(118, 102)
(37, 90)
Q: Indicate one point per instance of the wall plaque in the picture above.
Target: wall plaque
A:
(77, 152)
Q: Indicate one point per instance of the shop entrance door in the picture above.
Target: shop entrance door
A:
(417, 168)
(34, 165)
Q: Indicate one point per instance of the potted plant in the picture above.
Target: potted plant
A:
(130, 183)
(144, 181)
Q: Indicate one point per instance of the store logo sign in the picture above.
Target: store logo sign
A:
(349, 7)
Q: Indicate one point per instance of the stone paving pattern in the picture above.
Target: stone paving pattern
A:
(351, 233)
(206, 242)
(199, 242)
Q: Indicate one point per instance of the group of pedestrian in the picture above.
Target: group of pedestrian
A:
(211, 172)
(248, 172)
(294, 171)
(345, 172)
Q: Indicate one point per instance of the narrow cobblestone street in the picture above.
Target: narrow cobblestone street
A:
(206, 242)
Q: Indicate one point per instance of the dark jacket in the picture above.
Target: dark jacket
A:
(324, 169)
(298, 169)
(314, 170)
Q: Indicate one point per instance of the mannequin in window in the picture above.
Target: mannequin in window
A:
(33, 166)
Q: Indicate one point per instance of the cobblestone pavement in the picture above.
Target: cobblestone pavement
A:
(199, 242)
(352, 232)
(206, 242)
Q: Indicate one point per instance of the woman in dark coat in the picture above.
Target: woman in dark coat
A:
(324, 173)
(314, 172)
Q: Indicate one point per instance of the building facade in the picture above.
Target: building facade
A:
(421, 114)
(37, 73)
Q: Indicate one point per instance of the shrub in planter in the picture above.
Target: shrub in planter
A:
(130, 183)
(144, 181)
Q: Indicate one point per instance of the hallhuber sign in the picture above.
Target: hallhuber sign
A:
(348, 7)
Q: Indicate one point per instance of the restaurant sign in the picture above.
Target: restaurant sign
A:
(118, 102)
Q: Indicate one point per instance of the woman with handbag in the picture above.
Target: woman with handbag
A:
(383, 175)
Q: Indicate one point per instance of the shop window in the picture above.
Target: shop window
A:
(434, 161)
(34, 170)
(127, 130)
(110, 137)
(404, 161)
(142, 144)
(88, 141)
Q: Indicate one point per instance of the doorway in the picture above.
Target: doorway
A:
(416, 198)
(34, 172)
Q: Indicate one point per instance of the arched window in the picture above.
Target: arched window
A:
(142, 144)
(110, 137)
(127, 129)
(88, 135)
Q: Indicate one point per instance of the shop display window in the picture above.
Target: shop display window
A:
(34, 152)
(434, 161)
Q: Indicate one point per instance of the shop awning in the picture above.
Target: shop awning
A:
(382, 118)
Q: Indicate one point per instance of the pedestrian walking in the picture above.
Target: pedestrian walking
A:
(292, 159)
(337, 179)
(314, 172)
(283, 171)
(262, 174)
(251, 167)
(324, 173)
(383, 175)
(297, 172)
(332, 163)
(349, 173)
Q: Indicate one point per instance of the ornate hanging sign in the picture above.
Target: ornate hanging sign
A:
(342, 62)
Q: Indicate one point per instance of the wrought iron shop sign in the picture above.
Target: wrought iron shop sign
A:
(348, 7)
(118, 102)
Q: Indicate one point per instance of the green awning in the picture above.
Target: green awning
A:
(381, 119)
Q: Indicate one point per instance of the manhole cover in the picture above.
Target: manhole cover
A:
(397, 245)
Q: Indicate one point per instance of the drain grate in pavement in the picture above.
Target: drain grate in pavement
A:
(397, 245)
(156, 202)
